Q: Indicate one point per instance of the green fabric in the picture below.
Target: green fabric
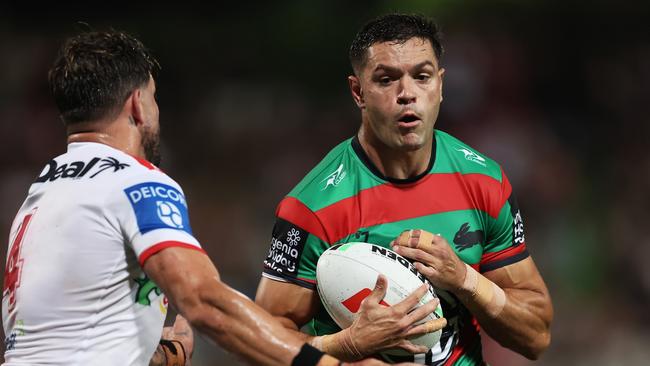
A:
(342, 174)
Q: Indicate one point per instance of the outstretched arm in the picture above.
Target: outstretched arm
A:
(511, 303)
(192, 284)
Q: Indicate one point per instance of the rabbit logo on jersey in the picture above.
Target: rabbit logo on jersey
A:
(158, 206)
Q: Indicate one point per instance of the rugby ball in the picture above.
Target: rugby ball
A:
(347, 273)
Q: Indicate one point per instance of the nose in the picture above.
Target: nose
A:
(405, 95)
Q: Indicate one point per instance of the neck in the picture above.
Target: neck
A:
(392, 163)
(116, 134)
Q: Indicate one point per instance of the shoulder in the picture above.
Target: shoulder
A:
(455, 156)
(111, 172)
(321, 185)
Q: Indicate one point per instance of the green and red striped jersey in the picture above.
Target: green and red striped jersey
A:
(463, 196)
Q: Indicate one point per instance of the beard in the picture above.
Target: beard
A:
(151, 145)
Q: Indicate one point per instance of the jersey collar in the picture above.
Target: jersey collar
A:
(356, 145)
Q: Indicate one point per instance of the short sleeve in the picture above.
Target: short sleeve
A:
(505, 242)
(294, 249)
(152, 214)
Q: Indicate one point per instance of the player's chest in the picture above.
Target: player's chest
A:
(464, 230)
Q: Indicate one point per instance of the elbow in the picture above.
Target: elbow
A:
(537, 346)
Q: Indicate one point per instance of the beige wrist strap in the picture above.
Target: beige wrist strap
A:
(484, 292)
(340, 344)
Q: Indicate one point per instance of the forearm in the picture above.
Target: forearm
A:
(242, 327)
(516, 318)
(338, 344)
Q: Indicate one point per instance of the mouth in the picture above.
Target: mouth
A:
(408, 120)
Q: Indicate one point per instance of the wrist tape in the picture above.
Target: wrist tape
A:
(174, 352)
(484, 292)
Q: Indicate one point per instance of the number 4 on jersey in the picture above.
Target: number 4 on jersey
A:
(15, 263)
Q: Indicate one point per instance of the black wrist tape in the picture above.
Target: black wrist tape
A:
(308, 356)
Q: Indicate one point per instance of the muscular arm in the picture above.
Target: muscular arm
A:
(192, 284)
(519, 318)
(523, 324)
(291, 304)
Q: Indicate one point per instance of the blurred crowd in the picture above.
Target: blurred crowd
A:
(249, 103)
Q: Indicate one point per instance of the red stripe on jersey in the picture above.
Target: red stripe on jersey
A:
(506, 190)
(502, 254)
(163, 245)
(306, 280)
(147, 164)
(297, 213)
(389, 203)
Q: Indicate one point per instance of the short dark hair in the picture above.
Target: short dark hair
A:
(95, 72)
(397, 28)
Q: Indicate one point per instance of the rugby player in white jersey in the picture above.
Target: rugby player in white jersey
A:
(104, 235)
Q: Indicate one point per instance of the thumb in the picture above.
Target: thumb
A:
(379, 291)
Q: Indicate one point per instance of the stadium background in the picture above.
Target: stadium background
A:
(253, 95)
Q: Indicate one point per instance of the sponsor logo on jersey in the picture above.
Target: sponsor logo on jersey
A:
(472, 156)
(79, 169)
(158, 206)
(146, 288)
(465, 239)
(334, 178)
(517, 221)
(518, 229)
(286, 248)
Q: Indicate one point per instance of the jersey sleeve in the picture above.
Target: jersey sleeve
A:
(505, 242)
(296, 245)
(151, 212)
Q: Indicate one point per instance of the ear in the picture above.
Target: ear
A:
(357, 92)
(137, 107)
(441, 74)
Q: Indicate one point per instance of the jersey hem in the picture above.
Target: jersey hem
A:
(302, 282)
(520, 255)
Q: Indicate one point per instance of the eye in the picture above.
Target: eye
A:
(423, 77)
(384, 80)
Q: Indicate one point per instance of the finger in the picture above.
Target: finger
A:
(411, 300)
(438, 240)
(403, 238)
(410, 347)
(428, 327)
(417, 238)
(415, 254)
(422, 311)
(379, 291)
(428, 271)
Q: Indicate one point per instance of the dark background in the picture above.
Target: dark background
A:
(252, 95)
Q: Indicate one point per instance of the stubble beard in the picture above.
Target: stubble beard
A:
(151, 146)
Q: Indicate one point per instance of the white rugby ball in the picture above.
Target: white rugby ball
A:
(347, 273)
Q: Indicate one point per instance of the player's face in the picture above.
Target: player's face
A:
(151, 127)
(400, 90)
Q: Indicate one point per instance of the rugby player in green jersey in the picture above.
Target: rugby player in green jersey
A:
(394, 184)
